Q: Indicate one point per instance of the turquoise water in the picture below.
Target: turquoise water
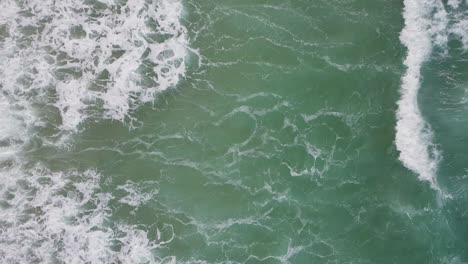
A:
(233, 131)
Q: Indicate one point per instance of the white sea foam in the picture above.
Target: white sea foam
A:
(425, 27)
(62, 217)
(64, 54)
(459, 27)
(137, 194)
(112, 57)
(428, 24)
(58, 217)
(12, 131)
(454, 3)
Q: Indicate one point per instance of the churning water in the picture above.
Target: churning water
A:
(247, 131)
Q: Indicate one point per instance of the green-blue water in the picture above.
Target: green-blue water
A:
(275, 145)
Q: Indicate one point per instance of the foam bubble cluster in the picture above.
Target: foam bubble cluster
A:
(80, 58)
(427, 25)
(61, 217)
(95, 57)
(459, 27)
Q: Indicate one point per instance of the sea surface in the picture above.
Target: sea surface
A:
(234, 131)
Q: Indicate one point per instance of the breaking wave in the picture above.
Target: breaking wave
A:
(428, 24)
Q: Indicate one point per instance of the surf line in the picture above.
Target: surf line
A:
(425, 27)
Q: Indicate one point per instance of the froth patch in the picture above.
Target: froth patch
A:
(62, 217)
(459, 26)
(16, 121)
(460, 29)
(102, 58)
(454, 3)
(425, 25)
(428, 24)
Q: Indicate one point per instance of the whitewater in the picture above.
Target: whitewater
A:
(61, 63)
(427, 27)
(186, 131)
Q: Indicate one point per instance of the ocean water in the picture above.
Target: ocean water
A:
(234, 131)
